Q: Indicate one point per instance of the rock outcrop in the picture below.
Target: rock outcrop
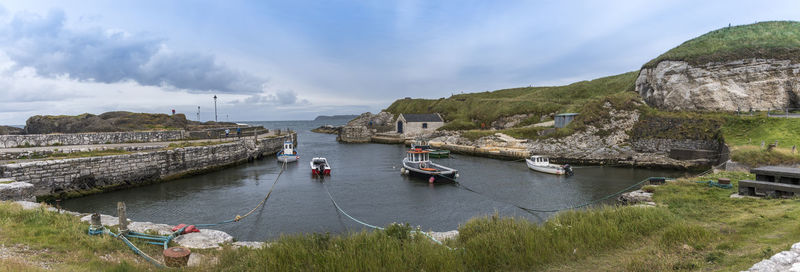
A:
(112, 122)
(362, 128)
(8, 130)
(757, 84)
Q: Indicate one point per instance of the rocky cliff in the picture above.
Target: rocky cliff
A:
(758, 84)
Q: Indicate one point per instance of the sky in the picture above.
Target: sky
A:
(295, 60)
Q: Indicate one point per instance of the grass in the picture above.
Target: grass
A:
(59, 241)
(82, 154)
(776, 39)
(755, 156)
(751, 130)
(468, 111)
(190, 144)
(694, 227)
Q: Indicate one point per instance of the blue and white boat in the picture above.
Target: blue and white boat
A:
(288, 154)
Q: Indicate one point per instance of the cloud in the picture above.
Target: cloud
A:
(280, 98)
(111, 55)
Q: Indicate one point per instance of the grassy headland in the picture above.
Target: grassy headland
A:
(776, 40)
(468, 111)
(694, 227)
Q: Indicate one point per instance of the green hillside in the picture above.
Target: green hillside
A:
(468, 111)
(776, 39)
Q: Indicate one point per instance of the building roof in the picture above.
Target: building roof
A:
(430, 117)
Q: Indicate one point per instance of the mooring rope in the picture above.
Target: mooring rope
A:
(373, 226)
(532, 211)
(238, 217)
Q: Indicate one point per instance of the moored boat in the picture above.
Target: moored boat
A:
(417, 164)
(288, 154)
(542, 164)
(433, 153)
(320, 167)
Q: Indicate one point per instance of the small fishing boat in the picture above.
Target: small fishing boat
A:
(417, 163)
(288, 154)
(542, 164)
(320, 167)
(433, 153)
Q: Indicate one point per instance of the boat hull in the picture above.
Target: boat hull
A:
(288, 158)
(439, 154)
(440, 174)
(550, 169)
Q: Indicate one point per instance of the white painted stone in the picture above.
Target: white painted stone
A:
(795, 267)
(441, 236)
(144, 227)
(796, 248)
(250, 244)
(106, 220)
(784, 257)
(206, 238)
(764, 266)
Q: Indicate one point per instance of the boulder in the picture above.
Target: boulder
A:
(16, 191)
(206, 238)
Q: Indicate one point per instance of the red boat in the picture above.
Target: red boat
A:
(320, 167)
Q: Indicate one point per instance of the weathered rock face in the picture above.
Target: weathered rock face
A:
(760, 84)
(382, 121)
(510, 121)
(112, 121)
(7, 130)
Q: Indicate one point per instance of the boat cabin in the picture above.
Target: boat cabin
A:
(418, 155)
(540, 160)
(287, 147)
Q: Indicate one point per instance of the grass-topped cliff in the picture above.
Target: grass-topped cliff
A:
(468, 111)
(769, 40)
(110, 122)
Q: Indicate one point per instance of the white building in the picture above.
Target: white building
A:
(413, 124)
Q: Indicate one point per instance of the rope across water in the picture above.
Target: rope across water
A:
(370, 225)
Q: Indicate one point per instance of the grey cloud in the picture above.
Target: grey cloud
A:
(278, 98)
(109, 56)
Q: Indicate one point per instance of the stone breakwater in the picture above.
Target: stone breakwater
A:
(54, 177)
(9, 141)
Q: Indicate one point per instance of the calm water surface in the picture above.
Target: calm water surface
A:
(365, 182)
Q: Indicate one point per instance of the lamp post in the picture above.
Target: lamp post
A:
(215, 108)
(198, 113)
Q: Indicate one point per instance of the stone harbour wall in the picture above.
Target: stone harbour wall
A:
(9, 141)
(52, 177)
(665, 145)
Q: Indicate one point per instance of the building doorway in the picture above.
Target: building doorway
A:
(400, 127)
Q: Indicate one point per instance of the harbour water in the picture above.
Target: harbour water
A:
(366, 182)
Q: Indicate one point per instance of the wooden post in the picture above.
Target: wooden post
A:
(762, 144)
(794, 149)
(123, 219)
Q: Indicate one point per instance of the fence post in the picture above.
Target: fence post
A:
(123, 220)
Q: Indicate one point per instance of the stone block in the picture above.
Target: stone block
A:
(16, 191)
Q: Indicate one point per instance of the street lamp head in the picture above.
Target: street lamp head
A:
(215, 96)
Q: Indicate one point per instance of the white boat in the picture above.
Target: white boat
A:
(320, 167)
(288, 154)
(417, 163)
(542, 164)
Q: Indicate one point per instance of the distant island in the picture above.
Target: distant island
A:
(334, 117)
